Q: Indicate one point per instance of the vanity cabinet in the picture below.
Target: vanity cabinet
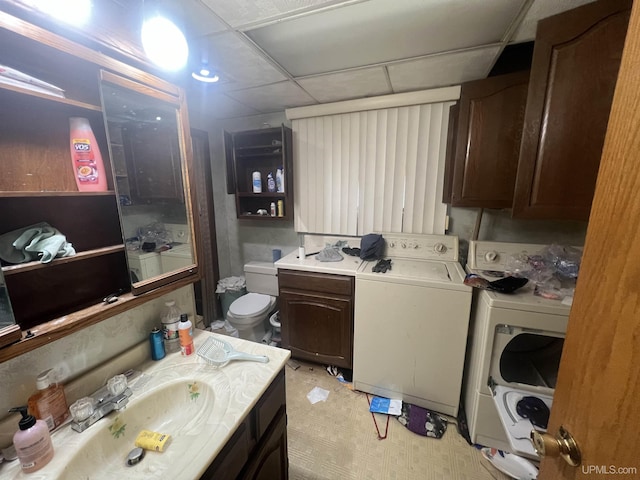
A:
(263, 151)
(485, 130)
(37, 184)
(258, 448)
(573, 76)
(316, 314)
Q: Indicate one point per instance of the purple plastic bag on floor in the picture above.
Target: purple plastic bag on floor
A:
(422, 421)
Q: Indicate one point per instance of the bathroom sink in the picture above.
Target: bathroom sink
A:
(189, 406)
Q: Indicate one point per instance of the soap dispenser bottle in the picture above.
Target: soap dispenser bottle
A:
(49, 402)
(32, 442)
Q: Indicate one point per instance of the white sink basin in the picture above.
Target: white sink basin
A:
(198, 405)
(189, 406)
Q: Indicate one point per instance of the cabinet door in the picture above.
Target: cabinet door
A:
(317, 327)
(487, 143)
(155, 161)
(271, 462)
(573, 75)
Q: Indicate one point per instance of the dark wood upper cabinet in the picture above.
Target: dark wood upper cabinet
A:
(483, 153)
(573, 75)
(155, 163)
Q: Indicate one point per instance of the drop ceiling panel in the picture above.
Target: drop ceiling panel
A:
(539, 10)
(442, 70)
(237, 63)
(218, 105)
(378, 31)
(242, 12)
(197, 18)
(347, 85)
(273, 98)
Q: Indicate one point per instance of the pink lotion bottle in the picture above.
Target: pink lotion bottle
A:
(88, 169)
(32, 442)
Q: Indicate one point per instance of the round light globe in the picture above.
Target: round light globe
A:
(164, 43)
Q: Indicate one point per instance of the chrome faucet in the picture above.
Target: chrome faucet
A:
(88, 410)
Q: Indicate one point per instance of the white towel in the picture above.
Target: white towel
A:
(36, 242)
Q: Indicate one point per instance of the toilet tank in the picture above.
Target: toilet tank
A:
(261, 277)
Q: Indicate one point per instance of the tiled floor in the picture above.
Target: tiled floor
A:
(337, 439)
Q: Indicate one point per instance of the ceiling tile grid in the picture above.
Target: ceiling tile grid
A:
(442, 70)
(276, 54)
(273, 98)
(334, 87)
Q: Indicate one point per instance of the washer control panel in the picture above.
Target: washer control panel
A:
(421, 247)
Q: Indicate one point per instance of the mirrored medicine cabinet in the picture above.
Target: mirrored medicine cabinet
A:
(150, 152)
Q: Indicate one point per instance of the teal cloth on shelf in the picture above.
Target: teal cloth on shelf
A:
(36, 242)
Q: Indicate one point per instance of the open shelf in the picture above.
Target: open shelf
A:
(263, 194)
(49, 98)
(25, 267)
(109, 193)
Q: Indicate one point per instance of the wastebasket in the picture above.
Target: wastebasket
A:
(230, 289)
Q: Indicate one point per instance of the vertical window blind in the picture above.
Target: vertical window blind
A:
(377, 170)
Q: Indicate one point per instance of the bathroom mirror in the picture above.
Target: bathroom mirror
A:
(150, 151)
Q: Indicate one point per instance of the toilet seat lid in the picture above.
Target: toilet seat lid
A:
(250, 304)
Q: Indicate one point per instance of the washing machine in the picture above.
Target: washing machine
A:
(411, 321)
(514, 350)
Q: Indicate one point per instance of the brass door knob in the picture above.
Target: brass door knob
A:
(563, 445)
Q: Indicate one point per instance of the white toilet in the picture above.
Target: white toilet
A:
(249, 313)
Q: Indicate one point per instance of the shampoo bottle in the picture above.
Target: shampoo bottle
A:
(271, 184)
(280, 180)
(186, 335)
(32, 442)
(49, 403)
(88, 168)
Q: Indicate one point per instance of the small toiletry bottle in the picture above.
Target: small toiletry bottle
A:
(32, 442)
(273, 209)
(257, 182)
(271, 184)
(88, 168)
(279, 181)
(170, 319)
(157, 344)
(280, 208)
(186, 335)
(49, 403)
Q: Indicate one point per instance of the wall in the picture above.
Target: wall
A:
(84, 350)
(240, 241)
(498, 226)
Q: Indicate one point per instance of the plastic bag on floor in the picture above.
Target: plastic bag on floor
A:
(422, 421)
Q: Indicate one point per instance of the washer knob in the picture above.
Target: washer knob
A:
(491, 256)
(416, 246)
(440, 248)
(392, 244)
(404, 245)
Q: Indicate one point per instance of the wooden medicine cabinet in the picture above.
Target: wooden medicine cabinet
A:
(52, 300)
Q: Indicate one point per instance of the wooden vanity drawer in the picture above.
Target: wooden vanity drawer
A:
(315, 282)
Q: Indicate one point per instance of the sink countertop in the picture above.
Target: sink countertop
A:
(348, 266)
(247, 382)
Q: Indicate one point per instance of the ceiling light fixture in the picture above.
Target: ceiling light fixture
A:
(205, 75)
(164, 43)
